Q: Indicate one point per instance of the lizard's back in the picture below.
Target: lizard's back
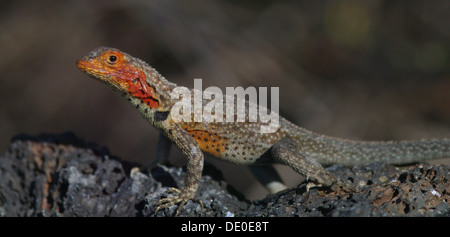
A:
(244, 143)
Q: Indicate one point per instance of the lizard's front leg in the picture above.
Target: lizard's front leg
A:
(194, 167)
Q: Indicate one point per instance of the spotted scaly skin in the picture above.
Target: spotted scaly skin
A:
(240, 142)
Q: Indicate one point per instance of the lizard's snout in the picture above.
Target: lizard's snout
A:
(81, 63)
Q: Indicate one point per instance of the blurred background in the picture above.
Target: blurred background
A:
(373, 70)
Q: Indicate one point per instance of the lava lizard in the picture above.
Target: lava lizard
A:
(240, 142)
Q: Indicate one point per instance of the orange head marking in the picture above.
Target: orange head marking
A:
(116, 69)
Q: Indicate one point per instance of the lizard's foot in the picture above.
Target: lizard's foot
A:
(334, 184)
(310, 185)
(333, 187)
(181, 197)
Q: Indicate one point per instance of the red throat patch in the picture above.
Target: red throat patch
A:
(136, 84)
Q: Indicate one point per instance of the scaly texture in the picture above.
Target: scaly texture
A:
(240, 142)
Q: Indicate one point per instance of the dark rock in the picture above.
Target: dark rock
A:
(62, 175)
(384, 191)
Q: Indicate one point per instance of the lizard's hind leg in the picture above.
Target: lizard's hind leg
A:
(288, 152)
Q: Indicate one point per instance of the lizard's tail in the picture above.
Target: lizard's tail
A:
(328, 150)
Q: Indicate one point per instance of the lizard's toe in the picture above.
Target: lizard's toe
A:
(181, 197)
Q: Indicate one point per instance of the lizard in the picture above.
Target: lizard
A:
(242, 143)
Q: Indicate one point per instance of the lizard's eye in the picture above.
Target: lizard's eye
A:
(112, 59)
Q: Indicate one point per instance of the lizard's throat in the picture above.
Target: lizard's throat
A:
(144, 97)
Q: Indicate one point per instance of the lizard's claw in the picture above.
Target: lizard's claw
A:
(334, 185)
(181, 197)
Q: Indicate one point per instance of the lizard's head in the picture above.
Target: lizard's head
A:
(120, 71)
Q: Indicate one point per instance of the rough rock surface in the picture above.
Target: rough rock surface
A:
(422, 190)
(62, 175)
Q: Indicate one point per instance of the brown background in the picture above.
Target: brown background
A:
(374, 70)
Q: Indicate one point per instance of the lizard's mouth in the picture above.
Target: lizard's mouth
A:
(83, 64)
(87, 65)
